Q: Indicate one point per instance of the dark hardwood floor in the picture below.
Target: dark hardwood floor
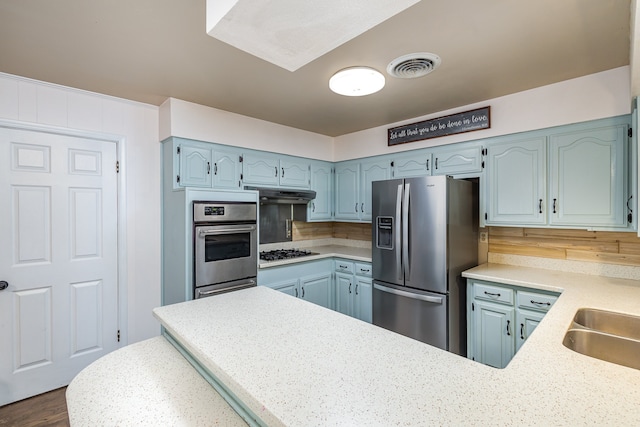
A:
(48, 409)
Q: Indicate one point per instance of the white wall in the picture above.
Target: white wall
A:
(136, 125)
(188, 120)
(600, 95)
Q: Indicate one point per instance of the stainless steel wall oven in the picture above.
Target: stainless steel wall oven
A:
(225, 246)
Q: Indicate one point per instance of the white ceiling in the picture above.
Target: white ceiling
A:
(149, 50)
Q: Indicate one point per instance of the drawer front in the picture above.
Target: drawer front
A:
(535, 301)
(363, 269)
(493, 293)
(344, 266)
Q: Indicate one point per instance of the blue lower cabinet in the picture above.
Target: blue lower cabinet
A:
(501, 318)
(311, 281)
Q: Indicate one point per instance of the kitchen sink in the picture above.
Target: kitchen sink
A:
(605, 335)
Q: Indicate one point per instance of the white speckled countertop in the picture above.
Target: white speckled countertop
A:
(325, 251)
(297, 364)
(146, 384)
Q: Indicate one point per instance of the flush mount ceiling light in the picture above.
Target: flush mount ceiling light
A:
(292, 33)
(413, 65)
(356, 81)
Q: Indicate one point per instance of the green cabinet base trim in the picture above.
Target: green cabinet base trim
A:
(247, 415)
(500, 318)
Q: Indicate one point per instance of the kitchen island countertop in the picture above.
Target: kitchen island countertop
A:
(294, 363)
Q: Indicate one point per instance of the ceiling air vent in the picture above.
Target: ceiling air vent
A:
(413, 65)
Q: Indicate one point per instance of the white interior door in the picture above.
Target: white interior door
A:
(58, 254)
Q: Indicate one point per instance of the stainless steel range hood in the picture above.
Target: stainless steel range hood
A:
(283, 196)
(279, 207)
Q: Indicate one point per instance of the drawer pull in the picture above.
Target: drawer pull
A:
(492, 294)
(364, 271)
(342, 266)
(540, 303)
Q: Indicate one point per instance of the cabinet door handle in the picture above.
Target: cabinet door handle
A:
(554, 205)
(540, 206)
(276, 168)
(296, 292)
(313, 206)
(208, 168)
(282, 173)
(349, 287)
(427, 164)
(356, 207)
(492, 294)
(215, 169)
(540, 303)
(521, 331)
(508, 331)
(356, 289)
(362, 207)
(436, 163)
(303, 292)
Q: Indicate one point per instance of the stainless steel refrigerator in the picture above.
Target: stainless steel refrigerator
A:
(425, 233)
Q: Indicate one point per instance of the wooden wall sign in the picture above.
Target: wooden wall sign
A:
(442, 126)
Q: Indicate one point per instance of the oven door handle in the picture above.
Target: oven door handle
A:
(247, 284)
(227, 230)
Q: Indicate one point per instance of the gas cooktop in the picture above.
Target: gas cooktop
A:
(279, 254)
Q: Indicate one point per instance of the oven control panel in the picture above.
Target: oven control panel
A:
(213, 210)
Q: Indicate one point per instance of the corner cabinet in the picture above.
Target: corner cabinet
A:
(501, 318)
(321, 208)
(311, 281)
(353, 187)
(583, 166)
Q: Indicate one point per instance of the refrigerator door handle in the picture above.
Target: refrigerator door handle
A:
(397, 234)
(427, 298)
(405, 232)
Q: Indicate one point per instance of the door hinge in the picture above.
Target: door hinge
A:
(241, 177)
(178, 150)
(178, 179)
(473, 307)
(117, 166)
(486, 217)
(118, 335)
(630, 132)
(484, 151)
(483, 164)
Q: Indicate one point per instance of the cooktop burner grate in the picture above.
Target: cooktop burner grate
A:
(279, 254)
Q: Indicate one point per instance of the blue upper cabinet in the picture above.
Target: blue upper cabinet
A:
(321, 208)
(353, 187)
(260, 169)
(574, 176)
(516, 172)
(587, 185)
(457, 161)
(227, 168)
(412, 164)
(272, 170)
(347, 178)
(201, 164)
(195, 166)
(373, 170)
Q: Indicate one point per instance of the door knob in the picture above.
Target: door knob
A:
(3, 285)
